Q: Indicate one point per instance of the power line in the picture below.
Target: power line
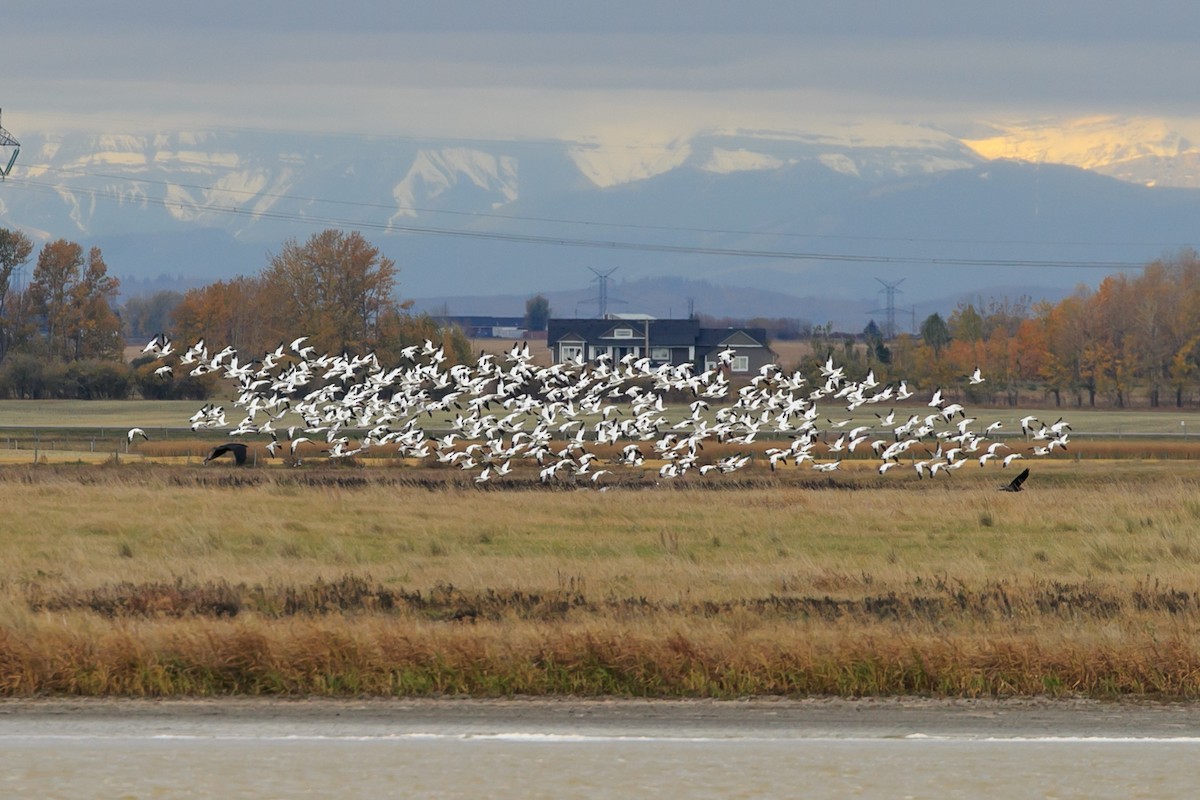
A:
(391, 207)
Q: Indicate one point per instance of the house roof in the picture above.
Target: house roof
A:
(663, 332)
(732, 337)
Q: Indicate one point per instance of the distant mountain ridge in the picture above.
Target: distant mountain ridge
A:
(803, 215)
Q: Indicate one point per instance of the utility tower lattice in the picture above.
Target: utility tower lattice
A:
(602, 299)
(7, 140)
(889, 308)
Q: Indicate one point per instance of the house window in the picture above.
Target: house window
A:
(570, 352)
(660, 354)
(623, 333)
(741, 364)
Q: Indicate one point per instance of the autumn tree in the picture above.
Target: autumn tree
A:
(73, 295)
(335, 288)
(233, 313)
(966, 324)
(999, 355)
(1109, 353)
(1029, 353)
(1061, 369)
(15, 250)
(146, 316)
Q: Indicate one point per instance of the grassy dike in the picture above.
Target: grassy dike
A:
(161, 580)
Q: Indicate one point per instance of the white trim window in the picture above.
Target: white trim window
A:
(623, 333)
(570, 352)
(740, 364)
(660, 354)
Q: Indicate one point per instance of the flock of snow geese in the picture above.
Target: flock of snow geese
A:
(505, 409)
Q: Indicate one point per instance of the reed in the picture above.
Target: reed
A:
(137, 580)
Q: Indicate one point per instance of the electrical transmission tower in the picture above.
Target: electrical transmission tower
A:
(602, 299)
(7, 140)
(889, 308)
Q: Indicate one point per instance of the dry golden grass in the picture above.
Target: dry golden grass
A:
(500, 347)
(159, 580)
(789, 353)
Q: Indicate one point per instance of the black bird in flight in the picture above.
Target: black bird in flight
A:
(239, 452)
(1015, 484)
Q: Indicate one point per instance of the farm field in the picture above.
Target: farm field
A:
(161, 579)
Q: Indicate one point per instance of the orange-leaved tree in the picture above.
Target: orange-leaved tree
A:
(74, 295)
(15, 250)
(336, 288)
(225, 313)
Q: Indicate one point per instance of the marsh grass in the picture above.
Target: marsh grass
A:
(140, 580)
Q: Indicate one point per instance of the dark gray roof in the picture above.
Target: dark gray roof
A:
(663, 332)
(712, 337)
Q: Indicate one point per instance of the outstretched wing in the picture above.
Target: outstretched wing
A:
(217, 452)
(237, 448)
(1015, 485)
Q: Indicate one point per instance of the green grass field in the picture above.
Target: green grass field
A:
(96, 414)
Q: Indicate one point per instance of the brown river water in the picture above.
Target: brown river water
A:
(600, 749)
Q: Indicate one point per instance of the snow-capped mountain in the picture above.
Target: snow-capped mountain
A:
(1152, 152)
(833, 214)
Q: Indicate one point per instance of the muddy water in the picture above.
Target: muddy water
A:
(597, 750)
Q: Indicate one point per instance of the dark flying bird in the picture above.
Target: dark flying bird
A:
(239, 452)
(1015, 484)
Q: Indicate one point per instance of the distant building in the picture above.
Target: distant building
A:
(485, 327)
(663, 341)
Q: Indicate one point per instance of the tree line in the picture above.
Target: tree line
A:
(63, 334)
(1133, 340)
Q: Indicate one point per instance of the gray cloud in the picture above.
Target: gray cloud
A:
(484, 68)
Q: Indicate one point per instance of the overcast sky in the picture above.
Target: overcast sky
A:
(559, 69)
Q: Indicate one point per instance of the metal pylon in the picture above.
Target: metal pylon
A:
(889, 309)
(602, 298)
(7, 140)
